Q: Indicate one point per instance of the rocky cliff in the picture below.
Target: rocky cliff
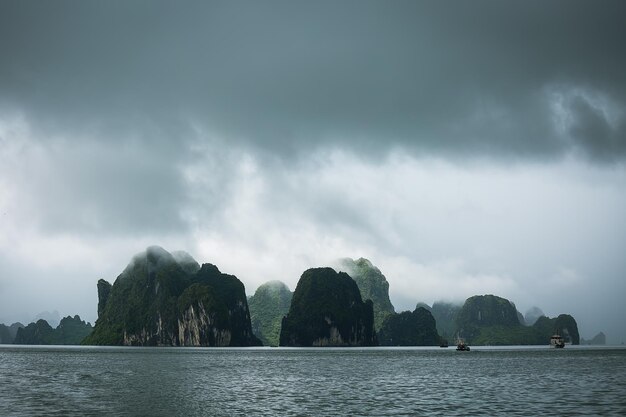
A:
(327, 310)
(417, 328)
(372, 284)
(269, 304)
(162, 299)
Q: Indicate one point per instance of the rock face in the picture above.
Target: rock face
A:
(415, 328)
(70, 331)
(485, 311)
(166, 300)
(327, 310)
(269, 304)
(372, 284)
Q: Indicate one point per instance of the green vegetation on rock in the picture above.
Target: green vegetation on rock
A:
(166, 300)
(269, 304)
(373, 286)
(415, 328)
(327, 310)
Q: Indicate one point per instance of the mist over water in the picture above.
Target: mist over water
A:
(261, 381)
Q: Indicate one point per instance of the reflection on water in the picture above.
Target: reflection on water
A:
(266, 381)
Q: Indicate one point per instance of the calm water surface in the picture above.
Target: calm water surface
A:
(268, 381)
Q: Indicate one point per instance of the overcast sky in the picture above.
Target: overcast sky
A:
(463, 147)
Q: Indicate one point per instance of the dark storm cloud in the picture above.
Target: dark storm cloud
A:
(591, 129)
(450, 78)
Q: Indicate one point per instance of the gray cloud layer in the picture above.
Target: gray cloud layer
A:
(523, 79)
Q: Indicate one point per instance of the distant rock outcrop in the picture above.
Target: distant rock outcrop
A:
(8, 333)
(372, 284)
(415, 328)
(269, 304)
(564, 325)
(532, 315)
(492, 320)
(327, 310)
(599, 339)
(70, 331)
(485, 311)
(445, 315)
(52, 317)
(162, 299)
(37, 333)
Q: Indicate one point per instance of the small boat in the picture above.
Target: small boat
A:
(443, 344)
(556, 341)
(461, 345)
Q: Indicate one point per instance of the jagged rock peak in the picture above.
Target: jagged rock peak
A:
(352, 264)
(104, 290)
(155, 257)
(167, 299)
(186, 261)
(423, 305)
(273, 286)
(408, 328)
(269, 304)
(532, 315)
(327, 310)
(372, 284)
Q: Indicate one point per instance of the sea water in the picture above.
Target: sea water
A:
(525, 381)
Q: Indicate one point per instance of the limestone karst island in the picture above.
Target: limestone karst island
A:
(169, 299)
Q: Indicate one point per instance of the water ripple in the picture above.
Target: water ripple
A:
(298, 382)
